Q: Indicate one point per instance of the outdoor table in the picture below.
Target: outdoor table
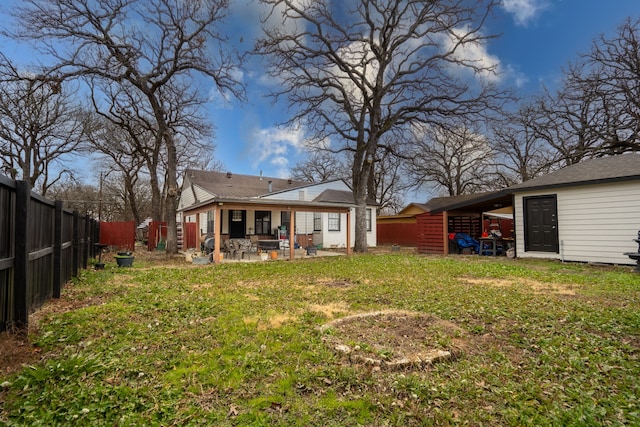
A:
(493, 245)
(269, 245)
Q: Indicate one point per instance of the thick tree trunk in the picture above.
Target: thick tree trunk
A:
(131, 198)
(171, 204)
(360, 180)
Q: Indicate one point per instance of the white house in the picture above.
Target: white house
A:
(239, 206)
(588, 212)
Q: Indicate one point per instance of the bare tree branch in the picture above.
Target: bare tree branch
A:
(365, 68)
(155, 48)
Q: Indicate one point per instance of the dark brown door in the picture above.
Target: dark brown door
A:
(541, 224)
(237, 224)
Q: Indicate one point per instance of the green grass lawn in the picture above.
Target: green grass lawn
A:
(540, 343)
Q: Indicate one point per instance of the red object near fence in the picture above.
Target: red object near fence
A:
(190, 237)
(431, 236)
(119, 234)
(397, 233)
(157, 238)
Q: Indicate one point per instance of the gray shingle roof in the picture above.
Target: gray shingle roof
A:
(236, 186)
(622, 167)
(335, 196)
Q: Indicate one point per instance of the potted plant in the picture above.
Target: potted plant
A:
(124, 258)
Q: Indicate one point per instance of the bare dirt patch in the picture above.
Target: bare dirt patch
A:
(330, 310)
(538, 288)
(272, 322)
(395, 339)
(15, 352)
(334, 283)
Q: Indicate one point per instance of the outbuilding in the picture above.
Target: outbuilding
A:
(587, 212)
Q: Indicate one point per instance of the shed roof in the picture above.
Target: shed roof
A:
(480, 201)
(622, 167)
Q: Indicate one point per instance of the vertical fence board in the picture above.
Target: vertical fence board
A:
(20, 317)
(7, 246)
(41, 248)
(57, 251)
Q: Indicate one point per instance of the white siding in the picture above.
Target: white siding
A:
(596, 223)
(310, 192)
(201, 227)
(187, 199)
(330, 239)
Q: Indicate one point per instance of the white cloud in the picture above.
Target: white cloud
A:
(361, 61)
(524, 11)
(274, 146)
(473, 54)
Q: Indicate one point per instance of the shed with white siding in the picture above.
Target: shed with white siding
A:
(587, 212)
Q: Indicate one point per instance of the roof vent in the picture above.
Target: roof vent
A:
(270, 186)
(260, 175)
(228, 174)
(289, 181)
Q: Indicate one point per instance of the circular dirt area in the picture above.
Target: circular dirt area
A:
(394, 339)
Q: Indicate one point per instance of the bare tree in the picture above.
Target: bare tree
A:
(320, 166)
(596, 110)
(567, 122)
(124, 132)
(355, 71)
(520, 154)
(121, 155)
(455, 158)
(155, 48)
(387, 186)
(40, 127)
(388, 183)
(612, 76)
(77, 196)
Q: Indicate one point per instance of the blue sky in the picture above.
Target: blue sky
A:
(538, 38)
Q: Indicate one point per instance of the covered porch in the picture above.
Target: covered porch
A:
(219, 206)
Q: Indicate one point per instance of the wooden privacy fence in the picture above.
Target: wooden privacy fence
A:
(41, 247)
(122, 234)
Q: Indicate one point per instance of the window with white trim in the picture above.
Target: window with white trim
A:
(317, 221)
(334, 221)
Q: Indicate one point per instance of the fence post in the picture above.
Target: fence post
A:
(88, 241)
(76, 244)
(21, 257)
(57, 250)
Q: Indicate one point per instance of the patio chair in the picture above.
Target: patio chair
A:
(228, 249)
(254, 243)
(238, 249)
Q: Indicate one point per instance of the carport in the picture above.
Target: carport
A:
(460, 214)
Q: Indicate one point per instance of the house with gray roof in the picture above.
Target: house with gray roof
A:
(587, 212)
(227, 205)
